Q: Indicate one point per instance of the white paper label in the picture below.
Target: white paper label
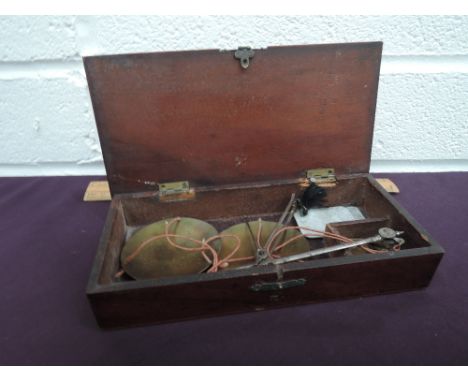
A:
(318, 218)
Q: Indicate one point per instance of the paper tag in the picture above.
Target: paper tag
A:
(318, 218)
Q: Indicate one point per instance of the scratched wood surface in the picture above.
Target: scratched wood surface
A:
(199, 116)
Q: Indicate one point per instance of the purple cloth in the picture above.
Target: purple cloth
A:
(49, 238)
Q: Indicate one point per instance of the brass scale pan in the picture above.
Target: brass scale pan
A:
(160, 259)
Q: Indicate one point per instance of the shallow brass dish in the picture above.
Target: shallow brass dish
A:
(248, 238)
(159, 258)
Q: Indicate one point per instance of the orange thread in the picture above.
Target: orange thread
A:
(204, 245)
(216, 263)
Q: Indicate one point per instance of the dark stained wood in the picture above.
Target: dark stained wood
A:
(355, 230)
(198, 116)
(233, 295)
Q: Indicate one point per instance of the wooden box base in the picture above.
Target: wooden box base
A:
(124, 302)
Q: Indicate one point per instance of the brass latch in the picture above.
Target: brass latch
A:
(322, 176)
(277, 285)
(175, 191)
(244, 54)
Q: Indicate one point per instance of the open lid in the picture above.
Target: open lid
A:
(200, 116)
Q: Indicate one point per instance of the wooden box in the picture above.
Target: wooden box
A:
(242, 130)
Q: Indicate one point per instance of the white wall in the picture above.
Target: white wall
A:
(46, 119)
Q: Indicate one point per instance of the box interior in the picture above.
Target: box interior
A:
(199, 116)
(226, 206)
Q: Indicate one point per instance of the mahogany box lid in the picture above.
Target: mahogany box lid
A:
(201, 116)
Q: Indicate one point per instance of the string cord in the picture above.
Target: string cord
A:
(204, 245)
(216, 263)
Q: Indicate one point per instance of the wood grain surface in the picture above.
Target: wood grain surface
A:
(199, 116)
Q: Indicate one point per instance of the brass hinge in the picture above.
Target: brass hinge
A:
(175, 191)
(322, 176)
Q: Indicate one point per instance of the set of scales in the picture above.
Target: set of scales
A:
(183, 245)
